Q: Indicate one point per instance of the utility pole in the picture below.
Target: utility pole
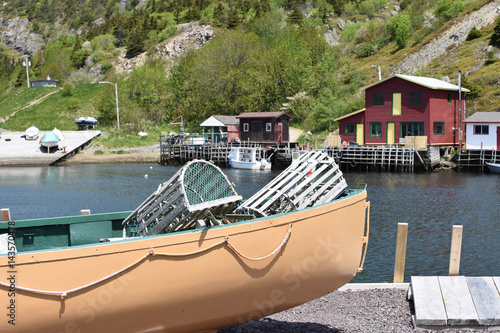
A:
(116, 97)
(26, 64)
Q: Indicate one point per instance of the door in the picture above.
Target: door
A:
(360, 134)
(498, 138)
(391, 133)
(257, 131)
(396, 104)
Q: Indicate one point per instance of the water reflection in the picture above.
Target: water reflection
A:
(430, 203)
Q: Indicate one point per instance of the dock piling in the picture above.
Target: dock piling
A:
(456, 248)
(5, 214)
(399, 266)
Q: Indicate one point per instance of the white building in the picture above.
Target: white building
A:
(483, 131)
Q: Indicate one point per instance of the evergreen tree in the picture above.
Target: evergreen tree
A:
(295, 17)
(495, 38)
(135, 45)
(232, 19)
(323, 111)
(265, 5)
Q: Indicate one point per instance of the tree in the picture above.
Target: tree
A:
(495, 38)
(322, 112)
(68, 88)
(295, 16)
(135, 45)
(399, 28)
(232, 19)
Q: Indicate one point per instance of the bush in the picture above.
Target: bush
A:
(367, 8)
(80, 77)
(98, 56)
(103, 42)
(399, 29)
(68, 89)
(349, 8)
(474, 33)
(448, 9)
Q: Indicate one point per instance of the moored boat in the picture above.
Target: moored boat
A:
(248, 158)
(493, 167)
(88, 273)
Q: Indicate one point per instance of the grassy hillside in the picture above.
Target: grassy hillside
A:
(47, 108)
(266, 57)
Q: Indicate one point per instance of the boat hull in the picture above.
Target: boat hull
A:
(250, 165)
(191, 281)
(494, 167)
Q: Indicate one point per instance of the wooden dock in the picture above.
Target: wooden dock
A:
(455, 301)
(475, 160)
(15, 150)
(392, 158)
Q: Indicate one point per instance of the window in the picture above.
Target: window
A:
(245, 127)
(416, 98)
(378, 99)
(349, 129)
(449, 97)
(438, 128)
(481, 130)
(412, 129)
(268, 127)
(376, 130)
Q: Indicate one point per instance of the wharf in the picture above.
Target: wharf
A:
(375, 158)
(15, 150)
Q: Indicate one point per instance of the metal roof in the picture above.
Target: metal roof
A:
(220, 120)
(263, 115)
(484, 117)
(349, 114)
(427, 82)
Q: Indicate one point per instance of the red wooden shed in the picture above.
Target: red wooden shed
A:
(264, 126)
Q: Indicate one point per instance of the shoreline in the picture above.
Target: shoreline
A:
(133, 155)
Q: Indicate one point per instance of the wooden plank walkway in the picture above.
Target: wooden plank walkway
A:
(455, 301)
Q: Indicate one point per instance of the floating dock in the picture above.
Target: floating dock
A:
(15, 150)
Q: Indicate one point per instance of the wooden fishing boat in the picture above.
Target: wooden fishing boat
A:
(63, 278)
(493, 167)
(249, 158)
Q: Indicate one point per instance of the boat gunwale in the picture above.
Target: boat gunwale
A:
(108, 247)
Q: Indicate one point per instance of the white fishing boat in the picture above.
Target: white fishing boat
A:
(248, 158)
(493, 167)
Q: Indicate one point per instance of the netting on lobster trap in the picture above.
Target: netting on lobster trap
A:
(199, 191)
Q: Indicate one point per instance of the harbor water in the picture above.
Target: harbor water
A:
(431, 203)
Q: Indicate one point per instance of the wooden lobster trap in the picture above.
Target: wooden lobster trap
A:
(198, 193)
(312, 180)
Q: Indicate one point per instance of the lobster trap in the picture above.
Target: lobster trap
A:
(198, 193)
(311, 180)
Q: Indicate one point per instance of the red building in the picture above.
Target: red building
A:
(264, 126)
(404, 105)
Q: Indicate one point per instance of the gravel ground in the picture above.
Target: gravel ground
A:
(367, 310)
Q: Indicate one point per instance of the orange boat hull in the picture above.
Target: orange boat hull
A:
(191, 281)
